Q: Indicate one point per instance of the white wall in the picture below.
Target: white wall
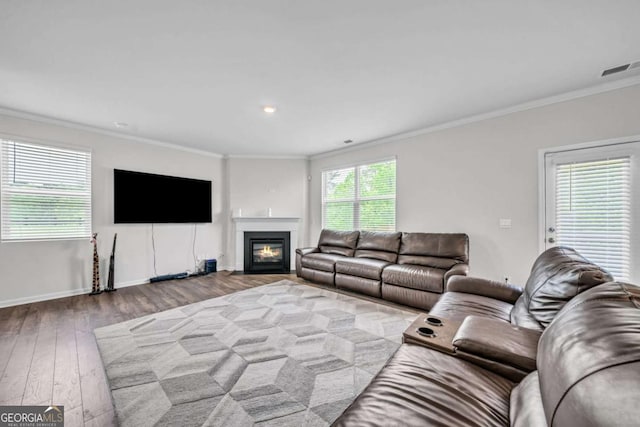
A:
(465, 179)
(30, 270)
(255, 185)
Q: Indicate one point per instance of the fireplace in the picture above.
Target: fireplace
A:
(267, 252)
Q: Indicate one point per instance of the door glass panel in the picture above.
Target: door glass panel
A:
(593, 211)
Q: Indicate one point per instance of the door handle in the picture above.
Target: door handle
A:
(551, 240)
(552, 230)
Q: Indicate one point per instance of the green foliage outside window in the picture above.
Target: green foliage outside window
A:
(361, 197)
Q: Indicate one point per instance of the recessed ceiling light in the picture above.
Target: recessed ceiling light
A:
(121, 125)
(269, 109)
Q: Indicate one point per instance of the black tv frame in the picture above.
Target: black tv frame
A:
(146, 198)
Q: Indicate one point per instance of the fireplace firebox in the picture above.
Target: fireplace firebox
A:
(267, 252)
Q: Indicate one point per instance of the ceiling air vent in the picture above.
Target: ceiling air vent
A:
(614, 70)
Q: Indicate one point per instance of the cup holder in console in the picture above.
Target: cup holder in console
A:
(434, 321)
(426, 332)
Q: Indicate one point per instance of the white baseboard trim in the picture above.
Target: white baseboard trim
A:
(63, 294)
(73, 292)
(131, 283)
(43, 297)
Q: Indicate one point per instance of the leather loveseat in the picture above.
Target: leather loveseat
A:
(587, 374)
(558, 274)
(407, 268)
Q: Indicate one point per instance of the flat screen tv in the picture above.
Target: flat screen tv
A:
(144, 198)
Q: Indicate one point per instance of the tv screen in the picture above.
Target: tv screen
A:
(144, 198)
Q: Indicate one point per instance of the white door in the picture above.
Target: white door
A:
(592, 200)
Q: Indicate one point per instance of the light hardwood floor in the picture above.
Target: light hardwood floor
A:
(48, 353)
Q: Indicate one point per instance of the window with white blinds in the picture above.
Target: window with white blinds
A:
(45, 192)
(361, 197)
(593, 211)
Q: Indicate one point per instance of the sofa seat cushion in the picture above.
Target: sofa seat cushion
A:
(361, 267)
(423, 387)
(415, 277)
(323, 262)
(458, 305)
(429, 261)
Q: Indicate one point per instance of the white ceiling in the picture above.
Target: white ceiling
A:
(197, 73)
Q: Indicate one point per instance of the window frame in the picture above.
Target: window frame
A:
(356, 200)
(56, 146)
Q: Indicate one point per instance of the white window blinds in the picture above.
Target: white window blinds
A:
(360, 197)
(45, 192)
(593, 211)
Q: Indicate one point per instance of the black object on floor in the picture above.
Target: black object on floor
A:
(110, 280)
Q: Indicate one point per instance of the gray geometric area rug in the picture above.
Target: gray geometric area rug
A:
(282, 354)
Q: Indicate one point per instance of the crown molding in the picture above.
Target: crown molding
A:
(266, 157)
(94, 129)
(542, 102)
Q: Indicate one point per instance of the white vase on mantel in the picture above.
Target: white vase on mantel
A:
(269, 213)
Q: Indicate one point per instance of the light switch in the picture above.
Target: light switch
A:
(505, 222)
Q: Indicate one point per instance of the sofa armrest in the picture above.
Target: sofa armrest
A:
(456, 270)
(300, 252)
(498, 341)
(306, 251)
(487, 288)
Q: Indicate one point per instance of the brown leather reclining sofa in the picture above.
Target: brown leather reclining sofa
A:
(557, 275)
(579, 366)
(407, 268)
(502, 323)
(587, 374)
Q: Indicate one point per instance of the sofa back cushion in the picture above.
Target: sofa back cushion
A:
(589, 359)
(378, 245)
(558, 275)
(437, 250)
(338, 242)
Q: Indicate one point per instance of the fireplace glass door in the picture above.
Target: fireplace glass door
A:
(266, 252)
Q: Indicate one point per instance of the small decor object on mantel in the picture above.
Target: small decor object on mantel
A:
(112, 259)
(95, 289)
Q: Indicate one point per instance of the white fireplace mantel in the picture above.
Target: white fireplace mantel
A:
(264, 223)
